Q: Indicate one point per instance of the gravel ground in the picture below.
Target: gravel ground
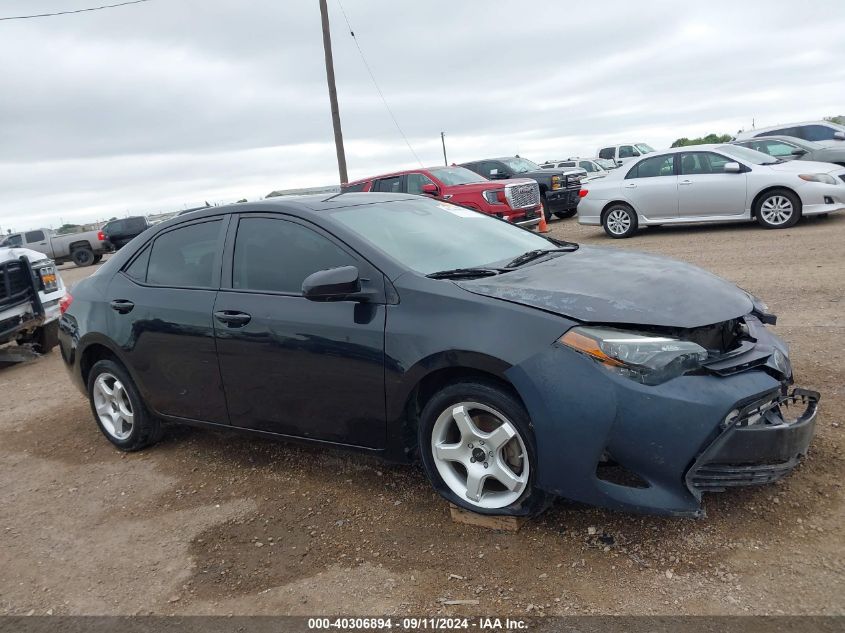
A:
(217, 524)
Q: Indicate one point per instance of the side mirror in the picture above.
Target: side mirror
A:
(839, 136)
(798, 152)
(335, 284)
(430, 189)
(732, 168)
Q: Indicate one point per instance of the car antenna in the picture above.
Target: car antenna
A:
(333, 196)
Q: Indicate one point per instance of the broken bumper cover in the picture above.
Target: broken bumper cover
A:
(761, 443)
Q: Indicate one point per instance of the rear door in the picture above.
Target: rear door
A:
(705, 190)
(290, 365)
(652, 187)
(160, 314)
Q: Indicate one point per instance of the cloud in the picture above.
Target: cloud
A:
(173, 102)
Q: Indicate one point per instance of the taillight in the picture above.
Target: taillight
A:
(64, 303)
(101, 236)
(583, 193)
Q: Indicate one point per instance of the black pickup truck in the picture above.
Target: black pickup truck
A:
(559, 189)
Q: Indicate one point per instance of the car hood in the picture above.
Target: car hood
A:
(478, 187)
(8, 253)
(805, 167)
(607, 285)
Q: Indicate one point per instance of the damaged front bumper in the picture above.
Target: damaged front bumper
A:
(761, 443)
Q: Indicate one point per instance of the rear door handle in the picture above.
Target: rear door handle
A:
(685, 182)
(233, 318)
(124, 306)
(631, 185)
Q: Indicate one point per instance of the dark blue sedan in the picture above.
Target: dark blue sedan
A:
(514, 367)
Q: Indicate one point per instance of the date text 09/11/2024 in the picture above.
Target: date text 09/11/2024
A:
(417, 624)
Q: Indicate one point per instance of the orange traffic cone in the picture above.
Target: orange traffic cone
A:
(543, 227)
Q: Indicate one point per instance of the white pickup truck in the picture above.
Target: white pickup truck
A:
(31, 295)
(83, 249)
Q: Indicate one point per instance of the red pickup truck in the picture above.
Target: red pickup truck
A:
(514, 200)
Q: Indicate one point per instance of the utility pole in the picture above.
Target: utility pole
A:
(338, 134)
(443, 141)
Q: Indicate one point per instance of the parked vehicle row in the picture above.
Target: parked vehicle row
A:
(120, 232)
(443, 335)
(591, 166)
(711, 183)
(791, 148)
(83, 249)
(825, 133)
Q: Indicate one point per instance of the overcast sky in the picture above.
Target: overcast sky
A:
(166, 104)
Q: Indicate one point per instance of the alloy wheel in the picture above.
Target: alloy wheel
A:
(618, 221)
(480, 455)
(776, 210)
(114, 409)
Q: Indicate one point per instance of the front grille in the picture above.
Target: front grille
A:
(719, 477)
(523, 195)
(573, 181)
(14, 283)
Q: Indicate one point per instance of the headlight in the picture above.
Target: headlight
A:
(555, 182)
(492, 196)
(825, 178)
(646, 358)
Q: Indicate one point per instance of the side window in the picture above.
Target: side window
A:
(138, 268)
(355, 188)
(717, 162)
(185, 256)
(607, 153)
(587, 166)
(816, 132)
(775, 148)
(653, 167)
(415, 182)
(787, 131)
(694, 163)
(34, 236)
(277, 255)
(626, 151)
(13, 240)
(388, 185)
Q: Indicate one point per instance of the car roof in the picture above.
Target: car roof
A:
(398, 173)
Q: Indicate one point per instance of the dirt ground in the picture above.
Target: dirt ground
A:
(215, 523)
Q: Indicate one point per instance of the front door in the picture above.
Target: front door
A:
(705, 190)
(651, 187)
(160, 311)
(290, 365)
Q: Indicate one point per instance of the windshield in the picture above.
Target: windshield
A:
(605, 162)
(430, 236)
(520, 165)
(456, 175)
(644, 148)
(747, 155)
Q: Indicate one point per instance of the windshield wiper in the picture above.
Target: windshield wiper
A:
(464, 273)
(530, 256)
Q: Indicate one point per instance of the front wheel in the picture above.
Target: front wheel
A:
(619, 221)
(82, 257)
(478, 450)
(118, 408)
(778, 209)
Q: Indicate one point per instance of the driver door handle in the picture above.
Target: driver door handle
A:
(685, 182)
(233, 318)
(631, 185)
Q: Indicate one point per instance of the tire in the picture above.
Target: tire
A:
(46, 338)
(619, 221)
(98, 259)
(489, 409)
(566, 214)
(82, 256)
(778, 209)
(130, 432)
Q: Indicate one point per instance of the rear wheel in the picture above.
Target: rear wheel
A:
(83, 256)
(619, 221)
(118, 408)
(778, 209)
(478, 450)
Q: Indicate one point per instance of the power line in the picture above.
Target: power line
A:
(47, 15)
(375, 83)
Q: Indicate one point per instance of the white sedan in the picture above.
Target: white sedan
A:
(711, 183)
